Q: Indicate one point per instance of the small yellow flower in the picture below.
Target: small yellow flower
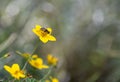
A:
(44, 34)
(52, 60)
(15, 71)
(37, 62)
(26, 55)
(52, 80)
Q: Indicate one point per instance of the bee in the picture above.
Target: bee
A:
(45, 30)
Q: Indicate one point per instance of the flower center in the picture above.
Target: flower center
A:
(16, 72)
(36, 64)
(43, 34)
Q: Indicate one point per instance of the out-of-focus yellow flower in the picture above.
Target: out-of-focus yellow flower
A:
(52, 80)
(52, 60)
(15, 71)
(37, 62)
(44, 34)
(26, 55)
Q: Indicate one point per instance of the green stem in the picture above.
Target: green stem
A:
(35, 48)
(25, 65)
(19, 53)
(46, 75)
(29, 57)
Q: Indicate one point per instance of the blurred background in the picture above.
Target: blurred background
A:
(87, 32)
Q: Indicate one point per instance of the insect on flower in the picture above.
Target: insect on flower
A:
(43, 33)
(45, 30)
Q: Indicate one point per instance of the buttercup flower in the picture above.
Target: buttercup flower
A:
(37, 62)
(52, 60)
(44, 34)
(52, 80)
(15, 71)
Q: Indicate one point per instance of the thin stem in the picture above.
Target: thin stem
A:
(46, 75)
(19, 53)
(25, 65)
(35, 48)
(29, 57)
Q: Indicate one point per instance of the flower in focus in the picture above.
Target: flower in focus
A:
(52, 80)
(37, 62)
(52, 60)
(44, 34)
(15, 71)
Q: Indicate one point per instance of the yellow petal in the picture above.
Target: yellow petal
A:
(51, 38)
(45, 66)
(31, 62)
(7, 68)
(55, 80)
(17, 77)
(36, 63)
(44, 39)
(16, 67)
(22, 75)
(39, 60)
(37, 27)
(49, 57)
(49, 29)
(36, 32)
(26, 55)
(42, 67)
(35, 56)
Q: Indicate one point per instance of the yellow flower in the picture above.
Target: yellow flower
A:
(37, 62)
(44, 34)
(26, 55)
(52, 60)
(15, 71)
(52, 80)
